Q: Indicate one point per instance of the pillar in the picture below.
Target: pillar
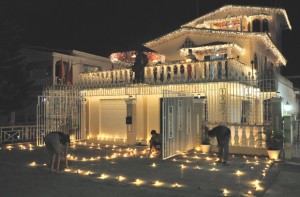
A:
(83, 120)
(288, 136)
(276, 114)
(131, 121)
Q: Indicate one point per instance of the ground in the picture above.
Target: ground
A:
(98, 170)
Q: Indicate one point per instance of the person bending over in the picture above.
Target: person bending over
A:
(155, 140)
(57, 144)
(222, 133)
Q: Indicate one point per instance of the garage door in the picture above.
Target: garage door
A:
(113, 116)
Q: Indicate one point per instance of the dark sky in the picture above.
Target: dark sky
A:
(105, 26)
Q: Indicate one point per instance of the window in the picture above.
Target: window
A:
(245, 111)
(265, 25)
(256, 25)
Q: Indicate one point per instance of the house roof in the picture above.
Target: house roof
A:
(263, 37)
(245, 10)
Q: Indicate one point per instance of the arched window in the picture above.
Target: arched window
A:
(265, 25)
(256, 25)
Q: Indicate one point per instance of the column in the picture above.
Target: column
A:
(236, 136)
(83, 117)
(288, 136)
(276, 114)
(131, 121)
(54, 81)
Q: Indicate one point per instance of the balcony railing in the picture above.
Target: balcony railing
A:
(215, 70)
(203, 71)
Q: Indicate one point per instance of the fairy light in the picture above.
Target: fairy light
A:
(214, 48)
(222, 34)
(229, 8)
(130, 56)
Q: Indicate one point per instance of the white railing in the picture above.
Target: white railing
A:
(174, 73)
(215, 70)
(20, 133)
(245, 135)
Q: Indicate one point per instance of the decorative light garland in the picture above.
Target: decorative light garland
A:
(184, 51)
(129, 57)
(250, 9)
(220, 34)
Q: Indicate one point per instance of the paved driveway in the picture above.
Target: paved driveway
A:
(95, 170)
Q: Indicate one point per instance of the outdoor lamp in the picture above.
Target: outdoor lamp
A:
(287, 107)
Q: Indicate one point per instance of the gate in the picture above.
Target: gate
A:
(176, 123)
(59, 109)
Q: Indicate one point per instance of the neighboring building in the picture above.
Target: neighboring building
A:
(232, 77)
(43, 62)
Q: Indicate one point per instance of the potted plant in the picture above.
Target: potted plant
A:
(205, 143)
(274, 143)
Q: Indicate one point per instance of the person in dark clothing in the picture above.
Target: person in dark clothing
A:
(57, 144)
(155, 140)
(222, 133)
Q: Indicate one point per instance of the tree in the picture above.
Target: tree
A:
(14, 84)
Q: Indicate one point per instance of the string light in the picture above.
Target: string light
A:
(220, 34)
(249, 9)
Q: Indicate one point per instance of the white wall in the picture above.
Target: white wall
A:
(285, 88)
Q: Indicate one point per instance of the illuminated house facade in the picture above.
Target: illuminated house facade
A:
(235, 81)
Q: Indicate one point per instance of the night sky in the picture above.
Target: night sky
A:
(105, 26)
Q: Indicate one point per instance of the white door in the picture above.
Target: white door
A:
(177, 124)
(113, 118)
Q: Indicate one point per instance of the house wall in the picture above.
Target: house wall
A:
(148, 116)
(93, 116)
(285, 89)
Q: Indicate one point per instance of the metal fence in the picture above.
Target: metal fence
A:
(59, 109)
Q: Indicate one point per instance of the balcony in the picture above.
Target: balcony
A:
(175, 73)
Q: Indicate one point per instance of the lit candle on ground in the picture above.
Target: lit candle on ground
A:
(175, 185)
(158, 183)
(121, 178)
(138, 182)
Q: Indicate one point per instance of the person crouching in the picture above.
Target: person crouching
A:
(57, 144)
